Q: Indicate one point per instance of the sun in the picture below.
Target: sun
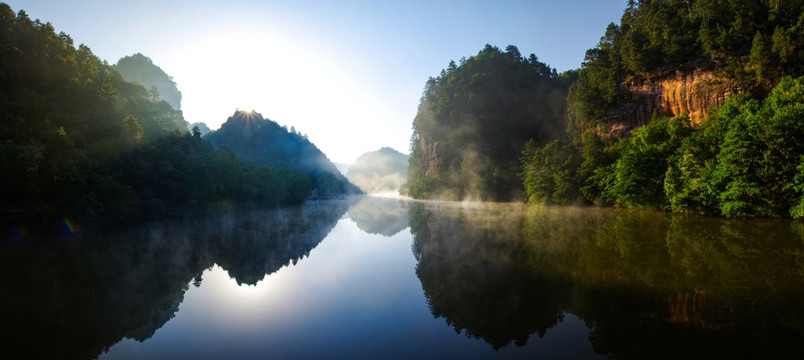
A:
(249, 114)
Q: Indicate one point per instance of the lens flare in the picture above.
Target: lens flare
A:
(68, 226)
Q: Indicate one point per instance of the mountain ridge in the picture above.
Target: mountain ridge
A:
(264, 142)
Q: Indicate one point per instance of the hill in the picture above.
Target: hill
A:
(685, 57)
(691, 106)
(262, 141)
(474, 119)
(83, 147)
(384, 170)
(140, 69)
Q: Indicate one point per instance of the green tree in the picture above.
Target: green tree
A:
(760, 56)
(550, 173)
(639, 171)
(81, 143)
(474, 119)
(132, 131)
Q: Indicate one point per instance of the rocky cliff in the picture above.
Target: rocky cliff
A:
(429, 157)
(683, 91)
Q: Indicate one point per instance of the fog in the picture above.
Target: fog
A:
(381, 171)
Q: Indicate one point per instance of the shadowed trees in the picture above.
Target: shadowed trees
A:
(474, 119)
(81, 144)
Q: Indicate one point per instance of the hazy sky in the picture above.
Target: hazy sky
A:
(349, 74)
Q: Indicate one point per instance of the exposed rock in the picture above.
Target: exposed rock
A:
(684, 91)
(430, 157)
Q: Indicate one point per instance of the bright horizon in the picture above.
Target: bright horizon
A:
(347, 74)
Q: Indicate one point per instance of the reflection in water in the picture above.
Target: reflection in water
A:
(480, 273)
(254, 244)
(72, 298)
(651, 284)
(384, 216)
(518, 281)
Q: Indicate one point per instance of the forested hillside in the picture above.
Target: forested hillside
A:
(262, 141)
(720, 83)
(473, 120)
(754, 43)
(81, 146)
(140, 69)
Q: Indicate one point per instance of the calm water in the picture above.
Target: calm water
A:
(385, 278)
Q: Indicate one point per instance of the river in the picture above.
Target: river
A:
(373, 277)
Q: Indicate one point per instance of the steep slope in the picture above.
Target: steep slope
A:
(262, 141)
(667, 58)
(473, 120)
(384, 170)
(140, 69)
(82, 146)
(686, 90)
(691, 106)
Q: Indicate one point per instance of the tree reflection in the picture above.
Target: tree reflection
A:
(250, 246)
(479, 273)
(650, 284)
(74, 298)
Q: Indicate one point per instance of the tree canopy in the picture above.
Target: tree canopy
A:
(743, 159)
(82, 146)
(757, 42)
(473, 120)
(140, 69)
(262, 141)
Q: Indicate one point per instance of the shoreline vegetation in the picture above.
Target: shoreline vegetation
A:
(85, 148)
(582, 138)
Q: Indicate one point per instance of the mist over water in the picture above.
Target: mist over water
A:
(370, 277)
(381, 171)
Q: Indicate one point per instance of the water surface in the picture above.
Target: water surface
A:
(386, 278)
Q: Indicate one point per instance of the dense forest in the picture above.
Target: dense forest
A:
(81, 146)
(262, 141)
(473, 120)
(743, 157)
(689, 106)
(139, 69)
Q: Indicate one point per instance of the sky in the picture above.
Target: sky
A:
(349, 74)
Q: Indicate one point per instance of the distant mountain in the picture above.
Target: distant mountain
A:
(201, 127)
(140, 69)
(384, 170)
(262, 141)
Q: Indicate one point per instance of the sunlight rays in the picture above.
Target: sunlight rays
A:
(287, 80)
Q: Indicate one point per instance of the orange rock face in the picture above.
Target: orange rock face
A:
(686, 92)
(692, 92)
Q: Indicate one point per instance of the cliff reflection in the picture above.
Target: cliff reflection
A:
(649, 284)
(73, 298)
